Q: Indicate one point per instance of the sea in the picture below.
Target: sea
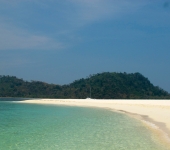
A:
(53, 127)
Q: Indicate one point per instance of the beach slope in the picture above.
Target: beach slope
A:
(154, 113)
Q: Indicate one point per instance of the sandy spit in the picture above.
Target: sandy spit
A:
(153, 113)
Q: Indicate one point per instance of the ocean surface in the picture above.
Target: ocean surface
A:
(48, 127)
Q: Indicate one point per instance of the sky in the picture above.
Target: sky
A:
(58, 41)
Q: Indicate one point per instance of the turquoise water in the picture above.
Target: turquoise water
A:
(47, 127)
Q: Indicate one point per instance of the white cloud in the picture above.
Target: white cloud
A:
(90, 11)
(75, 15)
(15, 38)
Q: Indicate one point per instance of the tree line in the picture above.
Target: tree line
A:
(99, 86)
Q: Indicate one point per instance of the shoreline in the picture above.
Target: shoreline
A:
(152, 113)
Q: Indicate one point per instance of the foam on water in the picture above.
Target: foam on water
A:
(45, 127)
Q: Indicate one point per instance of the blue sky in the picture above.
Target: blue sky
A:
(60, 41)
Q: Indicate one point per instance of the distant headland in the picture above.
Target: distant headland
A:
(107, 85)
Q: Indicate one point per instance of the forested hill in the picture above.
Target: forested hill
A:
(102, 86)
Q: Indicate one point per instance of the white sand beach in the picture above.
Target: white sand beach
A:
(153, 113)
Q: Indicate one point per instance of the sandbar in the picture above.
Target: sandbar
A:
(154, 113)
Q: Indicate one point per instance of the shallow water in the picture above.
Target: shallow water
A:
(47, 127)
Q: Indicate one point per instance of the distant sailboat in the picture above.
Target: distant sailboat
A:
(90, 94)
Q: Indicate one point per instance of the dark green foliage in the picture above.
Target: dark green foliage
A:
(103, 86)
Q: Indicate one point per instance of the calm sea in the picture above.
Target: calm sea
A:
(47, 127)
